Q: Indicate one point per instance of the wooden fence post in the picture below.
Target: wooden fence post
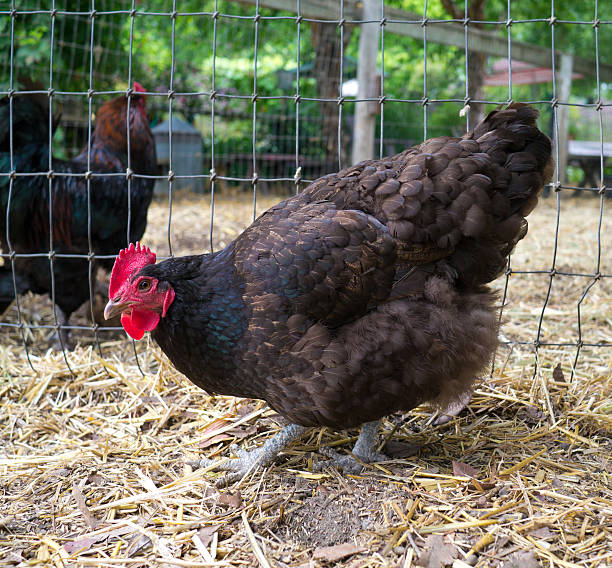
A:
(365, 118)
(563, 95)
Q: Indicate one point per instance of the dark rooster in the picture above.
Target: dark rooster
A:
(362, 296)
(28, 215)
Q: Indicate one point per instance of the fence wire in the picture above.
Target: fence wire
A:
(110, 66)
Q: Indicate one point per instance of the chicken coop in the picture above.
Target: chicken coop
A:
(186, 155)
(177, 124)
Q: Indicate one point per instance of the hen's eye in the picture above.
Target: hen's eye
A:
(144, 285)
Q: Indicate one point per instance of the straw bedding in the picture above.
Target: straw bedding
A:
(93, 463)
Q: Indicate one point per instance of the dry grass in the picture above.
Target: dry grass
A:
(93, 471)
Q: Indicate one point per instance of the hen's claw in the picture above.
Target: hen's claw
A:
(363, 452)
(62, 341)
(348, 463)
(237, 467)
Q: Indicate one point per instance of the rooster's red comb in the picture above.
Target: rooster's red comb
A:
(129, 261)
(139, 88)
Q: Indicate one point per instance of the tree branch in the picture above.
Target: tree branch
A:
(476, 9)
(452, 9)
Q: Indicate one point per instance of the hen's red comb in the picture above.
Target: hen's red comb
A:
(139, 88)
(129, 261)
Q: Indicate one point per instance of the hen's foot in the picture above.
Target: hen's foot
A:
(64, 343)
(364, 452)
(246, 462)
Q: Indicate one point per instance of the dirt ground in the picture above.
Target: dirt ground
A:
(94, 461)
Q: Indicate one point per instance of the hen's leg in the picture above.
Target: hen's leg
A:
(364, 450)
(62, 338)
(259, 457)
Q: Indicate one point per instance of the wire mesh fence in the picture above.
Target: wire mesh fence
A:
(273, 88)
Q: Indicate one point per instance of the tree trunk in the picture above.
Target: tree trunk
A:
(476, 60)
(328, 53)
(476, 74)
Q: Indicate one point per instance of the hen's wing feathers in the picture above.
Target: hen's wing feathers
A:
(328, 264)
(375, 231)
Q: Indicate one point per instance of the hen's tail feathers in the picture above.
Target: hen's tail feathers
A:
(30, 119)
(511, 137)
(521, 164)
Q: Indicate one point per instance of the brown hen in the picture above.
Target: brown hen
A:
(364, 295)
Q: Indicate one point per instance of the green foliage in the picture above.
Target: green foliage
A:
(37, 39)
(225, 49)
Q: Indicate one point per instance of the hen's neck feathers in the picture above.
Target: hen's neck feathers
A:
(210, 308)
(109, 142)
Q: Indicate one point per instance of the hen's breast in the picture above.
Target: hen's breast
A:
(393, 358)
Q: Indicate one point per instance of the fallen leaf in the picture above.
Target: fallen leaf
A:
(558, 374)
(461, 469)
(82, 545)
(531, 414)
(95, 479)
(557, 483)
(436, 553)
(482, 501)
(233, 500)
(150, 400)
(502, 540)
(481, 486)
(241, 433)
(216, 424)
(246, 408)
(397, 449)
(61, 472)
(139, 542)
(337, 552)
(214, 440)
(206, 534)
(535, 413)
(522, 560)
(80, 501)
(14, 557)
(543, 533)
(86, 542)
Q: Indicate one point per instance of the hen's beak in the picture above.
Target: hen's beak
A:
(113, 309)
